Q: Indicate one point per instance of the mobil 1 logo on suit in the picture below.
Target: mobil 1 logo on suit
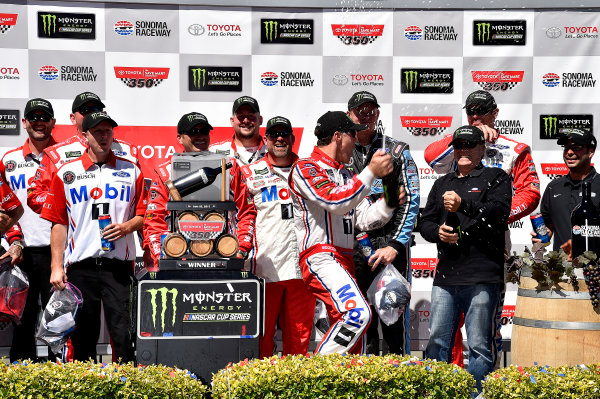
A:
(60, 25)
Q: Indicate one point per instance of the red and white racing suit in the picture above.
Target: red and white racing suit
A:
(275, 258)
(515, 159)
(8, 199)
(329, 202)
(61, 153)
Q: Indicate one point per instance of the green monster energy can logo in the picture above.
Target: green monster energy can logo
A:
(550, 126)
(164, 293)
(411, 78)
(49, 21)
(483, 32)
(199, 76)
(270, 30)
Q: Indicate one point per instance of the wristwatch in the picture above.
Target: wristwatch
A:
(17, 243)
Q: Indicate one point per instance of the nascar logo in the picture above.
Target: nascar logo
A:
(551, 80)
(48, 72)
(413, 33)
(123, 28)
(269, 78)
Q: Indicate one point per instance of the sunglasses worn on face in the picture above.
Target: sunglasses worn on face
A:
(38, 117)
(274, 135)
(88, 110)
(574, 147)
(195, 131)
(464, 144)
(477, 111)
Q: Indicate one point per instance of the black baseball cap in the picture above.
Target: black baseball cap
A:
(245, 100)
(482, 100)
(335, 121)
(468, 133)
(95, 118)
(86, 97)
(280, 121)
(580, 137)
(39, 104)
(188, 121)
(361, 97)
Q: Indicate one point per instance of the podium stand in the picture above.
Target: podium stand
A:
(198, 313)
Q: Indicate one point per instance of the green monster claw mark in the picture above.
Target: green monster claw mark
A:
(49, 21)
(411, 80)
(271, 30)
(550, 126)
(482, 30)
(199, 75)
(163, 296)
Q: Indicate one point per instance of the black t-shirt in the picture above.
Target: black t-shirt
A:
(560, 198)
(478, 257)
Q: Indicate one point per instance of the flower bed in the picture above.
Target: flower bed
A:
(339, 376)
(91, 380)
(581, 382)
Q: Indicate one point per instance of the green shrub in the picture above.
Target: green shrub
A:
(92, 380)
(581, 382)
(339, 376)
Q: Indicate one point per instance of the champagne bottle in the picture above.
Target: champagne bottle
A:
(585, 224)
(453, 221)
(193, 181)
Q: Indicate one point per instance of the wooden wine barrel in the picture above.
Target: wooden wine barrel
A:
(174, 245)
(227, 245)
(201, 248)
(554, 327)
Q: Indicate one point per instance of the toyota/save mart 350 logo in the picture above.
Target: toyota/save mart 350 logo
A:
(163, 295)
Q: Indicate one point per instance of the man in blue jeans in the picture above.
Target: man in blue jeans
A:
(466, 215)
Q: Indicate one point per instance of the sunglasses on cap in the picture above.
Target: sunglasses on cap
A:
(39, 117)
(465, 144)
(195, 131)
(275, 134)
(477, 111)
(88, 109)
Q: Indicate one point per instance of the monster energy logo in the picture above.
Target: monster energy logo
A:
(550, 126)
(483, 29)
(270, 30)
(199, 76)
(411, 78)
(49, 21)
(164, 293)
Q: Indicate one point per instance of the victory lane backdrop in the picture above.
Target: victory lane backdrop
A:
(151, 64)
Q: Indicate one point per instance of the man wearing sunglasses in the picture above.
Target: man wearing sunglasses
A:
(501, 152)
(470, 273)
(329, 203)
(31, 237)
(275, 256)
(391, 242)
(193, 134)
(246, 145)
(563, 194)
(70, 149)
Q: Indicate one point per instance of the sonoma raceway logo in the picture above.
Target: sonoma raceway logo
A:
(7, 22)
(551, 126)
(508, 126)
(215, 30)
(431, 32)
(68, 73)
(293, 79)
(551, 80)
(357, 34)
(573, 32)
(141, 76)
(426, 125)
(497, 80)
(569, 79)
(142, 28)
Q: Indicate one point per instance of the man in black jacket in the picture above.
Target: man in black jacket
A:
(391, 242)
(475, 200)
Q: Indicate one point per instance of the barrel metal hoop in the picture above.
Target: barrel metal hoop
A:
(552, 294)
(556, 325)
